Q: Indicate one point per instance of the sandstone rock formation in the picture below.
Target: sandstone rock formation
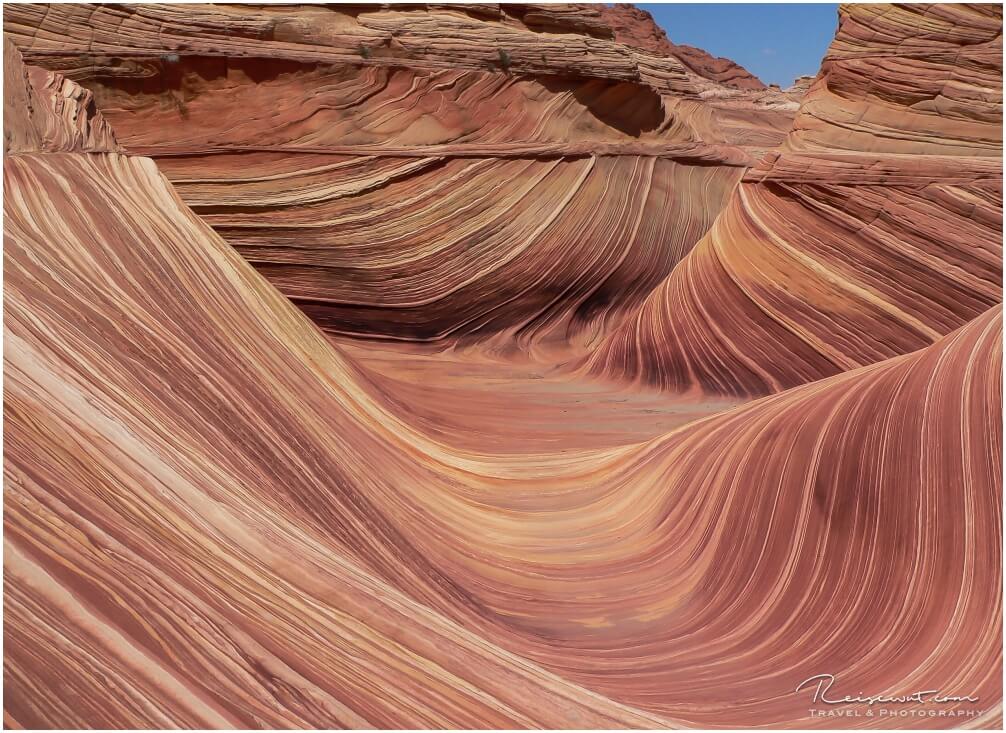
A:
(746, 111)
(219, 515)
(47, 112)
(873, 231)
(800, 86)
(293, 142)
(635, 27)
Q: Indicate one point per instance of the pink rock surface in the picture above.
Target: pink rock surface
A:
(614, 425)
(636, 27)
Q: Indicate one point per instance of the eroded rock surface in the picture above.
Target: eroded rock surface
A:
(44, 111)
(218, 516)
(874, 230)
(636, 27)
(423, 173)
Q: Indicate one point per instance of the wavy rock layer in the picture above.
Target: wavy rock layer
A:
(909, 79)
(446, 590)
(214, 517)
(142, 588)
(871, 234)
(391, 196)
(418, 36)
(464, 255)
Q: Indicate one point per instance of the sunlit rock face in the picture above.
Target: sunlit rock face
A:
(430, 174)
(635, 27)
(747, 111)
(786, 461)
(874, 229)
(45, 112)
(914, 80)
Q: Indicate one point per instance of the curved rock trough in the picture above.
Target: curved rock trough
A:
(498, 366)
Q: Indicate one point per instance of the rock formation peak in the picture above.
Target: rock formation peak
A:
(635, 27)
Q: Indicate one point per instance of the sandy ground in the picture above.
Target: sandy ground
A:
(514, 407)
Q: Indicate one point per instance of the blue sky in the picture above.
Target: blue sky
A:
(775, 42)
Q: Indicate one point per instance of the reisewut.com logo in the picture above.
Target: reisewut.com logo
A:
(919, 703)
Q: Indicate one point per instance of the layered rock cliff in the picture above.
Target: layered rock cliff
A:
(306, 136)
(874, 230)
(635, 27)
